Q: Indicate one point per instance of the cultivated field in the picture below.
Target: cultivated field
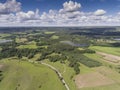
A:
(92, 80)
(109, 57)
(109, 50)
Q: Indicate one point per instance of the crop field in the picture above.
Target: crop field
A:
(92, 80)
(101, 79)
(109, 50)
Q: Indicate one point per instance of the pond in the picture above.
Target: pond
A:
(5, 41)
(74, 44)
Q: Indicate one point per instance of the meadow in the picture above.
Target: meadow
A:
(27, 76)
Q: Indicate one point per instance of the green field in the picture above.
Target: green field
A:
(26, 76)
(97, 58)
(67, 72)
(4, 35)
(30, 45)
(19, 40)
(27, 46)
(109, 50)
(49, 32)
(55, 37)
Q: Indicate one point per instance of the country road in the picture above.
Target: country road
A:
(54, 69)
(58, 73)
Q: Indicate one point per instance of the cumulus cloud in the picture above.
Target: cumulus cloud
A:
(30, 15)
(70, 6)
(10, 6)
(69, 15)
(100, 12)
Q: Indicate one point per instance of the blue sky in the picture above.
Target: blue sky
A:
(111, 6)
(60, 12)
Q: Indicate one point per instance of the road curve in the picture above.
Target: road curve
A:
(58, 73)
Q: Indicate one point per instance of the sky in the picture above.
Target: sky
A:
(59, 12)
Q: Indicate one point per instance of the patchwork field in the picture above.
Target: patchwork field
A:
(109, 57)
(109, 50)
(92, 80)
(101, 79)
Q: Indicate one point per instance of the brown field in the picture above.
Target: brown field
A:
(92, 80)
(110, 58)
(1, 66)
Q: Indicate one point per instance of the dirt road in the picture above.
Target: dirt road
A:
(58, 73)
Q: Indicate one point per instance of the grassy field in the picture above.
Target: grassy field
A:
(27, 46)
(19, 40)
(84, 69)
(26, 76)
(30, 45)
(55, 37)
(0, 48)
(67, 72)
(98, 58)
(4, 35)
(109, 50)
(48, 32)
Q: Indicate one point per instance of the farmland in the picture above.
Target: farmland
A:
(86, 59)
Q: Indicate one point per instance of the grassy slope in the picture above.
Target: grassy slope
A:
(109, 50)
(66, 71)
(69, 73)
(27, 76)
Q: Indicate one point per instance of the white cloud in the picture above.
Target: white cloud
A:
(10, 6)
(69, 15)
(70, 6)
(100, 12)
(30, 15)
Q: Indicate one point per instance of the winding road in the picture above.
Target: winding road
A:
(54, 69)
(58, 73)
